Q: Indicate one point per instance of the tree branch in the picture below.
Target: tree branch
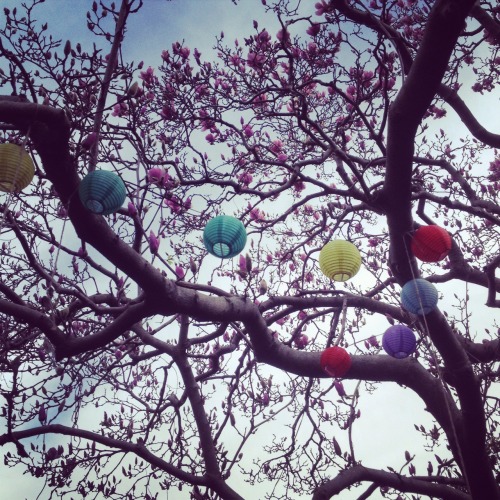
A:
(359, 473)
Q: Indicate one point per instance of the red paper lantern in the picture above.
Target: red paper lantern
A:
(336, 361)
(431, 243)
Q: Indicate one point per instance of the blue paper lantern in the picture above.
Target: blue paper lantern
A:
(102, 192)
(224, 236)
(418, 296)
(399, 341)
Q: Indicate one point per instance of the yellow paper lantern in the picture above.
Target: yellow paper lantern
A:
(339, 260)
(16, 168)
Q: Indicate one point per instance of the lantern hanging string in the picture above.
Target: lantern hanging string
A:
(438, 371)
(108, 75)
(342, 325)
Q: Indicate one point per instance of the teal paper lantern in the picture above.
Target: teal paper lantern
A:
(418, 296)
(224, 236)
(102, 192)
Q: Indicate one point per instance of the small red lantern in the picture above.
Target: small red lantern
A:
(336, 361)
(431, 243)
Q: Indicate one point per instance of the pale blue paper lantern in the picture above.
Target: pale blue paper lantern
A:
(418, 296)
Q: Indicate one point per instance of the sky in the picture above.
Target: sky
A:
(388, 413)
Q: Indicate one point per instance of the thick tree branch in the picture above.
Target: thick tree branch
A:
(452, 98)
(138, 449)
(485, 20)
(359, 473)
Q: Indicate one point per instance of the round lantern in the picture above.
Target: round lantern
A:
(16, 168)
(399, 341)
(419, 296)
(431, 243)
(224, 236)
(102, 192)
(339, 260)
(336, 361)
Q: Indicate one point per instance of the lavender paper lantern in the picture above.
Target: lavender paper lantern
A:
(102, 192)
(418, 296)
(399, 341)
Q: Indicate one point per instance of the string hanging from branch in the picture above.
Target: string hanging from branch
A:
(335, 360)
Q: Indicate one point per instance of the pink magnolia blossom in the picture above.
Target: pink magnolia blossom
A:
(265, 399)
(256, 214)
(247, 130)
(314, 29)
(299, 186)
(179, 271)
(168, 111)
(339, 387)
(242, 264)
(283, 36)
(322, 7)
(89, 141)
(256, 60)
(263, 38)
(276, 146)
(147, 76)
(156, 175)
(174, 204)
(245, 178)
(131, 209)
(154, 243)
(302, 341)
(119, 109)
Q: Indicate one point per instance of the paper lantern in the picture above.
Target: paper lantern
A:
(419, 296)
(224, 236)
(102, 192)
(399, 341)
(431, 243)
(336, 361)
(16, 168)
(339, 260)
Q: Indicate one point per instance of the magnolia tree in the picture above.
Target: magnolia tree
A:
(133, 361)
